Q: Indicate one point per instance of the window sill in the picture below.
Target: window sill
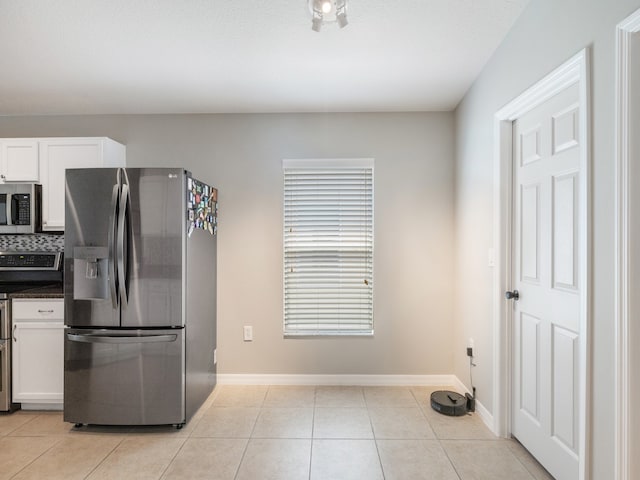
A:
(329, 335)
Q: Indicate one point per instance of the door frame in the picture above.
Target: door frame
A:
(624, 284)
(575, 71)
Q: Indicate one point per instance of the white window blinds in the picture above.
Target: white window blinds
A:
(328, 247)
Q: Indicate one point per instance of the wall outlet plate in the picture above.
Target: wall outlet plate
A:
(248, 333)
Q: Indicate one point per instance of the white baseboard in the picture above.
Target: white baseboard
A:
(42, 406)
(360, 380)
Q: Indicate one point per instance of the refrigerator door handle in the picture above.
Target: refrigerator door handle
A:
(120, 339)
(113, 227)
(123, 235)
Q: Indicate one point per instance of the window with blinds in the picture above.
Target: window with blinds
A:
(328, 247)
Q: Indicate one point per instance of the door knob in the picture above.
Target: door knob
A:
(515, 295)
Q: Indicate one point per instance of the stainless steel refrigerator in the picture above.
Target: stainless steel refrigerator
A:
(140, 295)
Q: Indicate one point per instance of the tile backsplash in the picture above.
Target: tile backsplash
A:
(37, 242)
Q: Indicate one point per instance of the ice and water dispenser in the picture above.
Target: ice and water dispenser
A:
(90, 273)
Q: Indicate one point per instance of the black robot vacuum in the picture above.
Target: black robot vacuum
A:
(451, 403)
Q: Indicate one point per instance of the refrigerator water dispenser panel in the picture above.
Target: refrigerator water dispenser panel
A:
(90, 273)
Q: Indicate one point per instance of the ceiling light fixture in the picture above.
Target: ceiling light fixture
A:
(328, 11)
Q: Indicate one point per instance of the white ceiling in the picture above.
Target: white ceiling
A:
(206, 56)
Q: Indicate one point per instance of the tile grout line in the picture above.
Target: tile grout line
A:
(517, 457)
(453, 465)
(424, 415)
(438, 439)
(255, 422)
(313, 426)
(21, 426)
(58, 440)
(104, 458)
(375, 439)
(244, 452)
(184, 441)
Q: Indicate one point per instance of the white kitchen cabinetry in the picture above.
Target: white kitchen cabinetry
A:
(44, 161)
(58, 154)
(19, 160)
(38, 353)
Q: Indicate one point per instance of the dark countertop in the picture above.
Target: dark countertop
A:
(47, 291)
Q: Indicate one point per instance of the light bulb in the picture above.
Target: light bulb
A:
(326, 6)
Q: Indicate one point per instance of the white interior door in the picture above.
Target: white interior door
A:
(634, 260)
(546, 317)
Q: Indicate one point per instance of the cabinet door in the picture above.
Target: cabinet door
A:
(19, 161)
(57, 156)
(38, 362)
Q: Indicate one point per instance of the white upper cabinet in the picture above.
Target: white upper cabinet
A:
(61, 153)
(19, 160)
(45, 160)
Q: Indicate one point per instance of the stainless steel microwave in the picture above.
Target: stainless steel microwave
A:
(20, 208)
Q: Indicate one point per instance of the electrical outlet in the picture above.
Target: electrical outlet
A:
(248, 333)
(469, 352)
(491, 258)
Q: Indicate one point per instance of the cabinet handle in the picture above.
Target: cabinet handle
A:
(3, 177)
(45, 311)
(14, 333)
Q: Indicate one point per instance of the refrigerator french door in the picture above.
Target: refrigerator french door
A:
(140, 289)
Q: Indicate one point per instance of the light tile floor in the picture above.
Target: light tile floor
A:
(277, 432)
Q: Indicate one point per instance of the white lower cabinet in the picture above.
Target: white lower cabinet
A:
(38, 353)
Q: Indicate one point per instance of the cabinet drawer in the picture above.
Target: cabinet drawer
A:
(39, 310)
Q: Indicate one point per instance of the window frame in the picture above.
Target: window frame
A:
(334, 164)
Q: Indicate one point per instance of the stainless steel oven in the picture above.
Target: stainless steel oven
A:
(20, 208)
(34, 273)
(5, 355)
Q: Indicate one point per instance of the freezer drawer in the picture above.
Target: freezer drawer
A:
(124, 377)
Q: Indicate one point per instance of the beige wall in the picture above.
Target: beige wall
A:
(242, 155)
(547, 34)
